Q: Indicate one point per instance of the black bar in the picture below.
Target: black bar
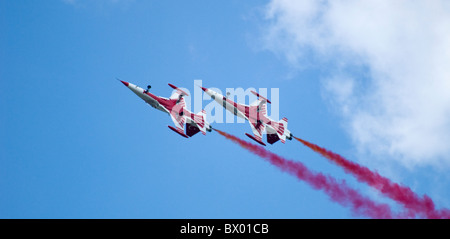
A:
(223, 228)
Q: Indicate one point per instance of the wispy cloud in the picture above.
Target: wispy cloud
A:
(402, 106)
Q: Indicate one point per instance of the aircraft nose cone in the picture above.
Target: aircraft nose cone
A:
(125, 83)
(204, 89)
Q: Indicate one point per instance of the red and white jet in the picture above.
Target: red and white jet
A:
(256, 114)
(175, 106)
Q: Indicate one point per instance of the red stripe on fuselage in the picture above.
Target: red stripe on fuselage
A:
(251, 112)
(166, 103)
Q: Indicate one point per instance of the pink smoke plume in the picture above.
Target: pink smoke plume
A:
(422, 207)
(339, 192)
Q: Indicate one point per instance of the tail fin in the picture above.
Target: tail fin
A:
(285, 122)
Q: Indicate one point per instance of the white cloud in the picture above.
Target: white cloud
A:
(402, 108)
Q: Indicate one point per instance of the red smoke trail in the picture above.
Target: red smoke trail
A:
(424, 207)
(337, 191)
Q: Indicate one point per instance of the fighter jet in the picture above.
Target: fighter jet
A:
(256, 114)
(175, 106)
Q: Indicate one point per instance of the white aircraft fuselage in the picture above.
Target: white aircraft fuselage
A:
(176, 108)
(254, 114)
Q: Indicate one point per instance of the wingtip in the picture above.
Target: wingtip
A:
(178, 89)
(258, 141)
(178, 131)
(262, 97)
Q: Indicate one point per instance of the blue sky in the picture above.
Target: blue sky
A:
(75, 143)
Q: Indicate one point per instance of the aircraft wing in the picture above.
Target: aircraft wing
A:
(261, 98)
(179, 123)
(178, 117)
(178, 94)
(258, 129)
(260, 106)
(178, 120)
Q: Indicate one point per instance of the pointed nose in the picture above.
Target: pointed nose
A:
(203, 88)
(125, 83)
